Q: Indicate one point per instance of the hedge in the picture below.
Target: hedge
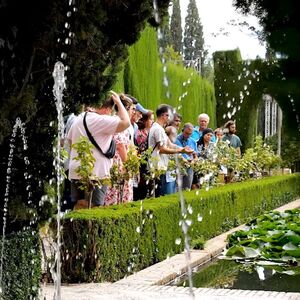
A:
(240, 85)
(21, 266)
(106, 244)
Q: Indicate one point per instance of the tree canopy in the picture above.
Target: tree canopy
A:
(90, 37)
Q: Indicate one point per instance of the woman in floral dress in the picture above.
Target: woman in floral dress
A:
(143, 188)
(122, 191)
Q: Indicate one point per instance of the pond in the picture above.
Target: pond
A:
(229, 274)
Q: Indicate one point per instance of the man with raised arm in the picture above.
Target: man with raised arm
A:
(102, 127)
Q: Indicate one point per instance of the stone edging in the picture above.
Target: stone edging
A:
(169, 269)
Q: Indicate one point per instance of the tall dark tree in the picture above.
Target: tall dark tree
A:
(165, 38)
(193, 41)
(175, 27)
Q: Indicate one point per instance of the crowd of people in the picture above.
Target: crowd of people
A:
(121, 121)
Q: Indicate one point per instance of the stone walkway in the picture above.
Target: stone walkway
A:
(149, 283)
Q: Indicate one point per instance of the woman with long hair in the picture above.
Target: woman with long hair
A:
(122, 191)
(142, 188)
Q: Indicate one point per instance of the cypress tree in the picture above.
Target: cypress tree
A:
(165, 39)
(175, 27)
(193, 35)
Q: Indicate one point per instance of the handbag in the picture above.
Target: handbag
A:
(112, 147)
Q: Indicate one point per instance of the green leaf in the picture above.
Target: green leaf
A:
(251, 253)
(294, 253)
(238, 251)
(290, 246)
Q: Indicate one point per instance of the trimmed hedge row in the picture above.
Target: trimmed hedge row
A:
(240, 85)
(105, 244)
(21, 266)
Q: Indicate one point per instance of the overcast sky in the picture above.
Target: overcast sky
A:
(217, 17)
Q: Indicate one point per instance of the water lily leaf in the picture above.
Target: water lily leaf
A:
(285, 214)
(294, 253)
(289, 246)
(276, 235)
(287, 258)
(295, 239)
(236, 251)
(246, 242)
(258, 232)
(275, 232)
(289, 272)
(282, 222)
(294, 227)
(251, 253)
(269, 263)
(268, 225)
(290, 232)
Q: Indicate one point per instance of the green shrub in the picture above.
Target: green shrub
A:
(21, 266)
(105, 244)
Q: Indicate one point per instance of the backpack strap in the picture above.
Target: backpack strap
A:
(90, 135)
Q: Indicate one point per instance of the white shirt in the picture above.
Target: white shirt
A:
(158, 137)
(102, 128)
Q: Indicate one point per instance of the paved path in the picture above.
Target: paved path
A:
(149, 283)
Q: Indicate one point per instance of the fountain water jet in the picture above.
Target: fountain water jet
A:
(58, 88)
(184, 223)
(18, 125)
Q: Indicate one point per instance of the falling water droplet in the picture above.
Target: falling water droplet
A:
(63, 55)
(178, 241)
(199, 218)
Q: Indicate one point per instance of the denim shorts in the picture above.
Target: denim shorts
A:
(78, 194)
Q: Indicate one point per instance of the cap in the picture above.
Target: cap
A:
(140, 108)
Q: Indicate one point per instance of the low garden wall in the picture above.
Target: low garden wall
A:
(105, 244)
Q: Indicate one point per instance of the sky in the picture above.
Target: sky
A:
(218, 18)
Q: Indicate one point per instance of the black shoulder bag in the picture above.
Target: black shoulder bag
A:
(112, 147)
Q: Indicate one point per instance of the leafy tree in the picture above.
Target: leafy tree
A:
(193, 40)
(91, 38)
(175, 27)
(171, 55)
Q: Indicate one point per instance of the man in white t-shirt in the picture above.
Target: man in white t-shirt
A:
(162, 146)
(102, 127)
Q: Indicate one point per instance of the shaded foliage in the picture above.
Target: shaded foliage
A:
(90, 37)
(281, 29)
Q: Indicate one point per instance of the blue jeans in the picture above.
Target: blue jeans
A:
(78, 194)
(170, 187)
(187, 179)
(160, 189)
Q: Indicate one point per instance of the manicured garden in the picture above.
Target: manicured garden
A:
(108, 243)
